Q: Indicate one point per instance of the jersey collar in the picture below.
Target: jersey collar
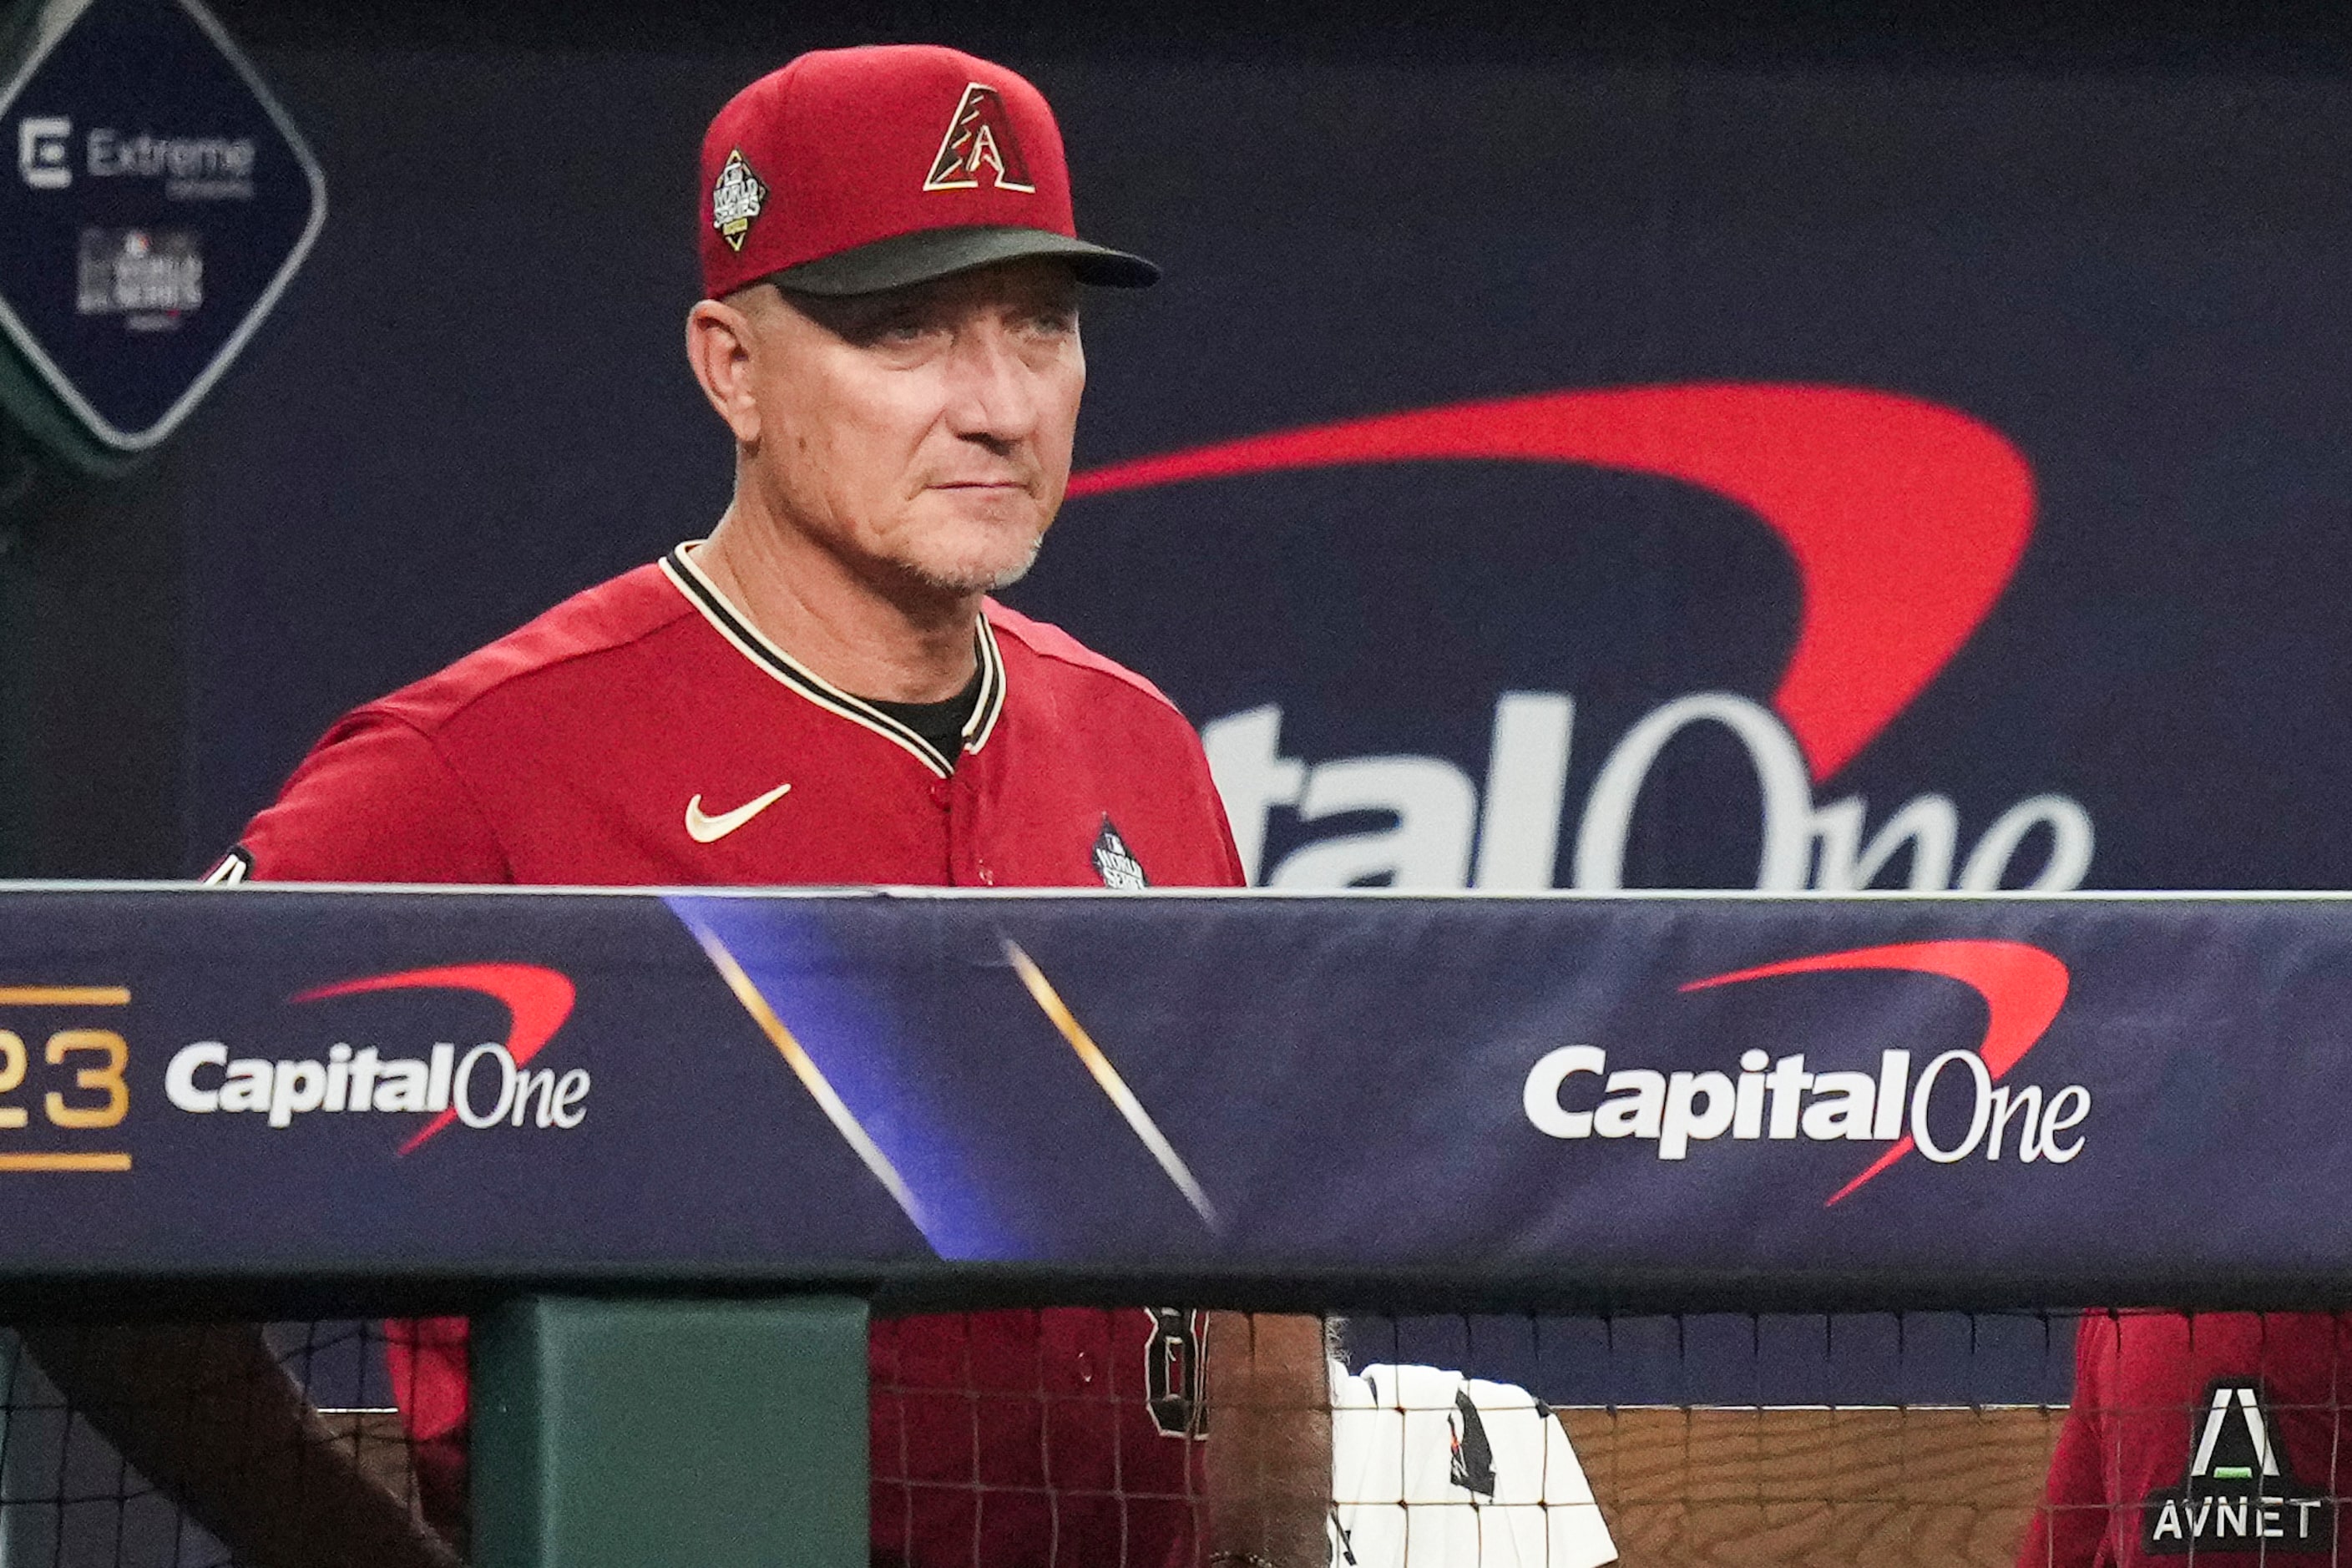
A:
(731, 624)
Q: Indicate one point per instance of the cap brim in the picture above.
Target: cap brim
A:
(919, 257)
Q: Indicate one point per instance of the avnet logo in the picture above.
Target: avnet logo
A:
(1573, 1093)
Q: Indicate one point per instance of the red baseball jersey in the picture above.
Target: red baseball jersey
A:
(2215, 1438)
(643, 732)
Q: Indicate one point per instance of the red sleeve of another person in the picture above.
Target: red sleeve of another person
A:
(2070, 1529)
(374, 801)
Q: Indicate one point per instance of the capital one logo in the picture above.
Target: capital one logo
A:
(1905, 521)
(491, 1084)
(1573, 1093)
(44, 152)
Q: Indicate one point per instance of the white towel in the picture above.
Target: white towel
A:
(1432, 1469)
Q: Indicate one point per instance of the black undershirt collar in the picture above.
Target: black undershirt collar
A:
(941, 724)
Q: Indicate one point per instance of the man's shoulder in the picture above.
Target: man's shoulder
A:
(1107, 733)
(573, 637)
(391, 792)
(1058, 654)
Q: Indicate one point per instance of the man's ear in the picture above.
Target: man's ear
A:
(719, 344)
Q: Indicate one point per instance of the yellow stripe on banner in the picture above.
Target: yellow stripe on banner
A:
(806, 1070)
(1049, 1000)
(65, 1161)
(65, 995)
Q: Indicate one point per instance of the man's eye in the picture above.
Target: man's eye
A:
(891, 332)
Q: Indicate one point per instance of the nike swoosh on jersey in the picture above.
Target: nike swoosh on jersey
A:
(705, 829)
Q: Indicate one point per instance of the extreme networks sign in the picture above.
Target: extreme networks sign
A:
(159, 204)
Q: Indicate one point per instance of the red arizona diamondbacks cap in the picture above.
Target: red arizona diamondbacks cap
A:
(853, 169)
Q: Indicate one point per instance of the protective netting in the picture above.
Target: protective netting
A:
(1486, 1441)
(69, 1499)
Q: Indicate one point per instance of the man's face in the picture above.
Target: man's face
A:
(924, 433)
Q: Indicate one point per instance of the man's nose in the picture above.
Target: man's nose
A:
(992, 392)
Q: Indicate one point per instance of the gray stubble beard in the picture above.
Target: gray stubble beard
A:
(972, 583)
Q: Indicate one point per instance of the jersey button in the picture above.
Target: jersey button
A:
(939, 793)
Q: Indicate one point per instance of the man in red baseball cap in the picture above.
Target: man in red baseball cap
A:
(854, 171)
(822, 691)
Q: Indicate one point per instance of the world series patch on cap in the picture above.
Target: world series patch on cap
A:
(850, 170)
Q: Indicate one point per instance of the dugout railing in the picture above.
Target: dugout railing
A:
(666, 1147)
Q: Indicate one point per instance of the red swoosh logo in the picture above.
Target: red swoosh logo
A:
(537, 1002)
(2022, 987)
(1905, 519)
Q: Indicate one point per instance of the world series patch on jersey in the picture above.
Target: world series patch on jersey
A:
(1115, 864)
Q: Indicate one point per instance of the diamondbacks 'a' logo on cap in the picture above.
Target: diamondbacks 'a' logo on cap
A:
(980, 137)
(736, 200)
(1115, 864)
